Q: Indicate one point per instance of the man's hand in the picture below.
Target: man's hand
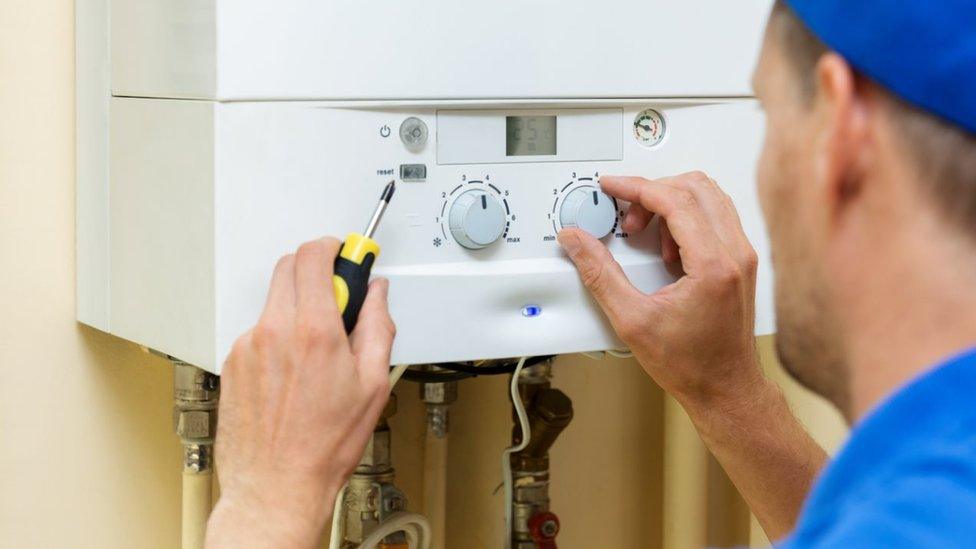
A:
(298, 403)
(695, 337)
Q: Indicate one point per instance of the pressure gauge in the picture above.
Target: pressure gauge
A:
(649, 128)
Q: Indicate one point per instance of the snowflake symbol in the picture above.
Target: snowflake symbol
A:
(437, 242)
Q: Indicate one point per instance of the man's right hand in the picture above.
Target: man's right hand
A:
(695, 336)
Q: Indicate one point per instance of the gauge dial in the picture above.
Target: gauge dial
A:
(477, 219)
(589, 209)
(649, 128)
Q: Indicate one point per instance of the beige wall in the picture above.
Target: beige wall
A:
(87, 456)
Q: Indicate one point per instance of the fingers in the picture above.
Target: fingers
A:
(718, 209)
(692, 194)
(281, 294)
(600, 273)
(637, 219)
(314, 291)
(669, 249)
(373, 336)
(693, 234)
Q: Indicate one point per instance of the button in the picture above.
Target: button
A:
(413, 133)
(413, 172)
(385, 131)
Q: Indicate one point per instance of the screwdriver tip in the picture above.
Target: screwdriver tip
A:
(388, 191)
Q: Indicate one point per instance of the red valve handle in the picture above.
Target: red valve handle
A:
(543, 527)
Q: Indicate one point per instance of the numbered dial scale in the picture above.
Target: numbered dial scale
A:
(476, 214)
(587, 208)
(581, 204)
(477, 219)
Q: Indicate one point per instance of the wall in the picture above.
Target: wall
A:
(88, 458)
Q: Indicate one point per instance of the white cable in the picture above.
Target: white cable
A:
(335, 536)
(506, 455)
(414, 525)
(621, 353)
(595, 355)
(396, 373)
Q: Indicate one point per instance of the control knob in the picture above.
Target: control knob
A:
(589, 209)
(477, 219)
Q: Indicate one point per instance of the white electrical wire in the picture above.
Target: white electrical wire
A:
(396, 373)
(335, 536)
(506, 455)
(414, 525)
(621, 353)
(616, 353)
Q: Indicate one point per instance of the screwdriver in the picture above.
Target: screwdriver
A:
(355, 261)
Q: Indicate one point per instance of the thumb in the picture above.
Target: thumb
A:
(372, 338)
(600, 273)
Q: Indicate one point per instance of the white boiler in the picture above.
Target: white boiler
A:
(217, 135)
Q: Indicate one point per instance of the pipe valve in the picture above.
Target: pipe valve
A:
(543, 527)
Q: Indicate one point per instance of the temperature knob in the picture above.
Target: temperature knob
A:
(477, 219)
(589, 209)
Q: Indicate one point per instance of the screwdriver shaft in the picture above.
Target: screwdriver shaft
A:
(380, 209)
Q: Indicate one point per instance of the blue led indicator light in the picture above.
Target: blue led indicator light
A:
(531, 311)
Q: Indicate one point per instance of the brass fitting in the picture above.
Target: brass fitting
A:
(549, 411)
(371, 496)
(195, 397)
(438, 397)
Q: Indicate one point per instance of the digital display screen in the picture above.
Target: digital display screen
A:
(530, 135)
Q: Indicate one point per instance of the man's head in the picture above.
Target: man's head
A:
(846, 165)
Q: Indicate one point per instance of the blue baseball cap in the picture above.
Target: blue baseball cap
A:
(923, 51)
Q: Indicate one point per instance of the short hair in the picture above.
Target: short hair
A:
(944, 153)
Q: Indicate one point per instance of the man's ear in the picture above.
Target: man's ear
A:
(843, 113)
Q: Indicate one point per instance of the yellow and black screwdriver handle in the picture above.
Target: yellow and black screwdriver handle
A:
(351, 276)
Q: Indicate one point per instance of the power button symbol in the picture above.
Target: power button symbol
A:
(385, 131)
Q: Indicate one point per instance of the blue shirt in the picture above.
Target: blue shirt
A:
(907, 476)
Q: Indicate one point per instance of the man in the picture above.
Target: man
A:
(868, 184)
